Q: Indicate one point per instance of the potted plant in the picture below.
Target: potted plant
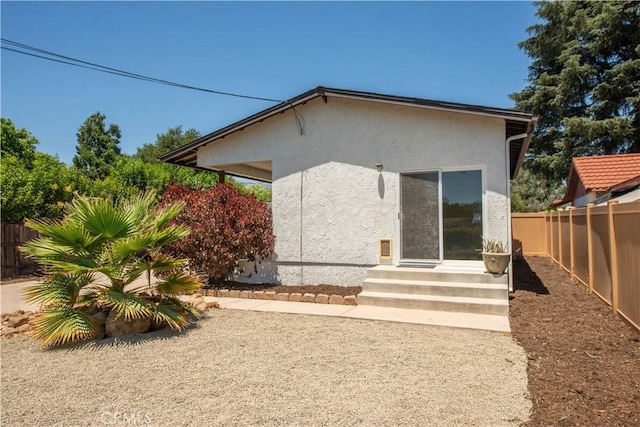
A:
(495, 256)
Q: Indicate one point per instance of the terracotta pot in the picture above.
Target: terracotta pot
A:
(496, 263)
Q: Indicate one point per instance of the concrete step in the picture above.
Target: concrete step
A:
(421, 287)
(438, 274)
(435, 302)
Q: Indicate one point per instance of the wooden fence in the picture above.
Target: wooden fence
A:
(599, 246)
(13, 261)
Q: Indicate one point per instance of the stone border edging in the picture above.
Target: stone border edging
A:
(282, 296)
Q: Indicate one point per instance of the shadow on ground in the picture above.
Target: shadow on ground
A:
(525, 279)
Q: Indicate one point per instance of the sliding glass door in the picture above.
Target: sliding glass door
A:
(440, 215)
(420, 216)
(462, 215)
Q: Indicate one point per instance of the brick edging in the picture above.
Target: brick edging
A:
(282, 296)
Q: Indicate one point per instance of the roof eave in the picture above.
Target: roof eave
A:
(191, 148)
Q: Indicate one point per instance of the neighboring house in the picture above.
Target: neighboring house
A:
(596, 179)
(350, 168)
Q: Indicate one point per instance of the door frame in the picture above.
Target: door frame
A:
(483, 172)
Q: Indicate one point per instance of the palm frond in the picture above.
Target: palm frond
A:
(176, 316)
(57, 326)
(43, 249)
(124, 248)
(159, 264)
(65, 233)
(168, 213)
(54, 293)
(172, 310)
(71, 267)
(171, 234)
(126, 304)
(176, 284)
(59, 290)
(140, 207)
(101, 217)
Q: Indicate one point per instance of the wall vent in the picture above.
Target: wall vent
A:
(385, 251)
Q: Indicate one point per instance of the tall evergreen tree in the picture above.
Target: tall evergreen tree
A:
(98, 148)
(584, 83)
(173, 138)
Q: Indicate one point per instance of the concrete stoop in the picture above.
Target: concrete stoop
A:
(457, 290)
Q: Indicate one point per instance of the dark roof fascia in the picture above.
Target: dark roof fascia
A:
(627, 185)
(320, 91)
(438, 105)
(572, 184)
(239, 125)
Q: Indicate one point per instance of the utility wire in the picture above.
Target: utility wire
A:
(102, 68)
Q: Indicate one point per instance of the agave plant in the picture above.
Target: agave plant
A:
(493, 246)
(94, 254)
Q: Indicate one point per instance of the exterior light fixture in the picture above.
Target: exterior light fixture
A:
(379, 167)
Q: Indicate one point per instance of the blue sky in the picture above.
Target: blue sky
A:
(454, 51)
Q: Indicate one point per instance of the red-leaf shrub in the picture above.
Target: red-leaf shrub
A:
(226, 226)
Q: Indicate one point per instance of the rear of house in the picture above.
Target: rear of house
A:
(362, 179)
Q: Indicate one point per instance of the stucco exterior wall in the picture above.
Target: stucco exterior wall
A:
(330, 205)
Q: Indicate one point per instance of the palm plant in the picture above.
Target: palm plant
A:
(91, 256)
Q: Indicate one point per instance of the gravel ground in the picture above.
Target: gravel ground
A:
(252, 368)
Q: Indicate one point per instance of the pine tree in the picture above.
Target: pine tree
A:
(98, 148)
(584, 83)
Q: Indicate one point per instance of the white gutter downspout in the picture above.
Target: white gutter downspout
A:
(508, 167)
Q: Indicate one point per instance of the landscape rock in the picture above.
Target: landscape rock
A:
(270, 295)
(282, 296)
(8, 332)
(118, 326)
(195, 300)
(213, 304)
(350, 300)
(18, 320)
(257, 295)
(308, 298)
(296, 297)
(23, 328)
(336, 299)
(223, 293)
(157, 325)
(234, 294)
(245, 294)
(101, 318)
(322, 299)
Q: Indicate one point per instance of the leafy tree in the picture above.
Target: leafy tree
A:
(531, 192)
(38, 191)
(98, 148)
(142, 175)
(116, 240)
(17, 142)
(165, 142)
(258, 191)
(583, 83)
(226, 227)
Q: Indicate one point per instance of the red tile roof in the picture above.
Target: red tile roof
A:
(600, 173)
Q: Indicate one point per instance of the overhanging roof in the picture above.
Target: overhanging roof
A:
(517, 122)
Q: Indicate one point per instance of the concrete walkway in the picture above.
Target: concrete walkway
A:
(423, 317)
(11, 300)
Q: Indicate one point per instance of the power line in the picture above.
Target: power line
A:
(56, 57)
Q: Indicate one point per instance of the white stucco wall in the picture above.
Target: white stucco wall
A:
(330, 205)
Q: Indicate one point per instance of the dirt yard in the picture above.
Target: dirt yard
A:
(584, 361)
